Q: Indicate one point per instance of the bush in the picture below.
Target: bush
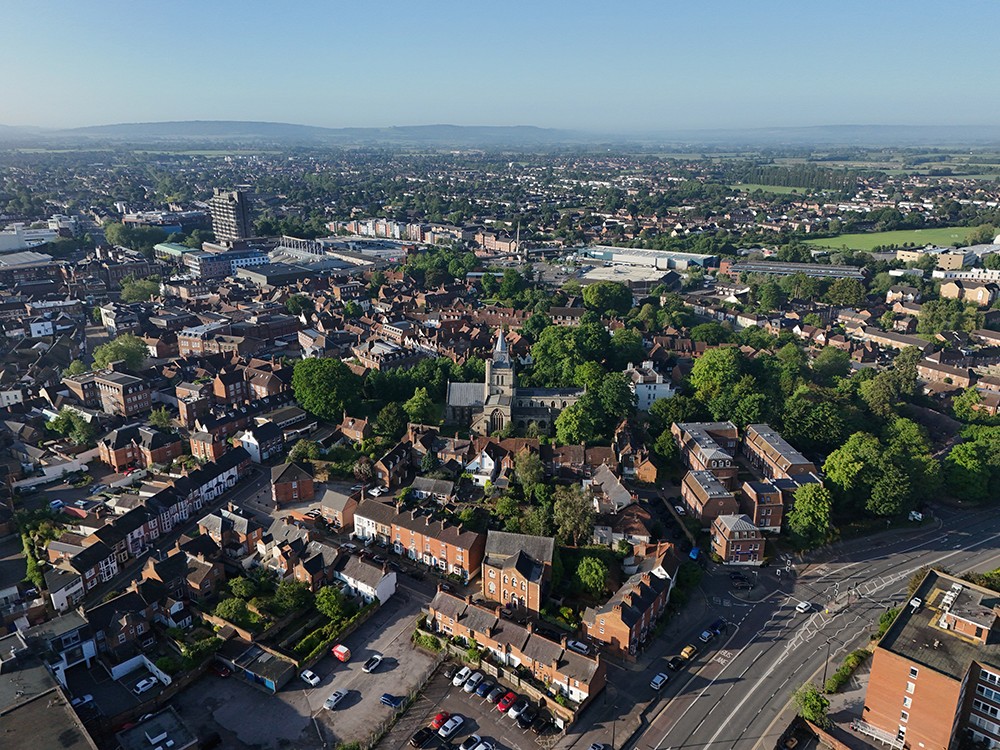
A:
(885, 621)
(426, 641)
(168, 664)
(851, 663)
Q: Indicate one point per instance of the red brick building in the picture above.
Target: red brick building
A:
(138, 446)
(291, 483)
(762, 502)
(517, 569)
(706, 497)
(709, 446)
(737, 541)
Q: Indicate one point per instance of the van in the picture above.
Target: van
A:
(342, 652)
(56, 505)
(689, 652)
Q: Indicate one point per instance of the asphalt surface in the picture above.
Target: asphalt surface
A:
(733, 692)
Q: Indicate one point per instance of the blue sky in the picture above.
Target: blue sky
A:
(598, 66)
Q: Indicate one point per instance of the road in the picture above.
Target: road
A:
(733, 692)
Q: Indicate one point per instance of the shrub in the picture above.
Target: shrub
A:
(168, 664)
(426, 641)
(851, 663)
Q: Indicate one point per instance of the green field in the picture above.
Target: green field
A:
(748, 187)
(944, 236)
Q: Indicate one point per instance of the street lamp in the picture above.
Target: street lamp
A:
(827, 661)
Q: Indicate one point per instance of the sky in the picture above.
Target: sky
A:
(607, 67)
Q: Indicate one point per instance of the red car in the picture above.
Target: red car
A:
(440, 719)
(220, 669)
(506, 702)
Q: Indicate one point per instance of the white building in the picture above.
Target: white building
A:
(366, 580)
(648, 385)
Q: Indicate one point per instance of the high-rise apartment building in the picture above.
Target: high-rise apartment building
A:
(935, 677)
(230, 215)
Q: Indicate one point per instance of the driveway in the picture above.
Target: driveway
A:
(295, 718)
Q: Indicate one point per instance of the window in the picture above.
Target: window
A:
(907, 701)
(990, 677)
(121, 638)
(910, 687)
(913, 672)
(986, 708)
(904, 716)
(493, 573)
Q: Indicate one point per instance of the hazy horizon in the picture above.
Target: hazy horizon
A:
(583, 66)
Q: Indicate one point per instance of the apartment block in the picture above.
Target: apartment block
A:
(706, 498)
(772, 455)
(709, 446)
(517, 569)
(737, 541)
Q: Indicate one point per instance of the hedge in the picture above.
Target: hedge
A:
(851, 663)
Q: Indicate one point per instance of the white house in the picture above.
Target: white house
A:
(648, 385)
(366, 580)
(486, 465)
(39, 327)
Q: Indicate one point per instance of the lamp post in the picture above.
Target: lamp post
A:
(827, 661)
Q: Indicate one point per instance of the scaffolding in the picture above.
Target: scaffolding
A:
(893, 741)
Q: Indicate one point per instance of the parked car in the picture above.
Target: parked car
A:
(527, 717)
(484, 745)
(737, 576)
(543, 722)
(803, 607)
(718, 626)
(596, 746)
(742, 585)
(450, 670)
(378, 559)
(518, 708)
(335, 697)
(689, 652)
(372, 664)
(420, 737)
(706, 636)
(451, 726)
(675, 663)
(83, 700)
(390, 700)
(506, 702)
(440, 719)
(473, 682)
(461, 676)
(578, 646)
(375, 491)
(220, 670)
(680, 510)
(341, 652)
(485, 687)
(658, 681)
(496, 694)
(145, 685)
(310, 677)
(470, 742)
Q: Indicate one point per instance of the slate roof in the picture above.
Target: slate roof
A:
(289, 473)
(524, 553)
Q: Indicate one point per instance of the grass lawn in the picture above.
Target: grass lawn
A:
(919, 237)
(748, 187)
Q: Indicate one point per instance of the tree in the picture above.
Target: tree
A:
(305, 450)
(330, 602)
(881, 393)
(890, 492)
(534, 325)
(853, 468)
(528, 469)
(831, 363)
(428, 463)
(665, 447)
(812, 705)
(578, 423)
(420, 407)
(292, 596)
(76, 367)
(243, 588)
(769, 296)
(391, 421)
(626, 347)
(588, 375)
(592, 574)
(234, 610)
(127, 348)
(607, 298)
(298, 304)
(161, 418)
(325, 387)
(809, 519)
(666, 411)
(715, 371)
(616, 397)
(73, 425)
(966, 471)
(845, 292)
(711, 333)
(572, 512)
(139, 290)
(507, 507)
(363, 470)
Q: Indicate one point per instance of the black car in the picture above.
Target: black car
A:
(543, 722)
(420, 737)
(675, 663)
(718, 626)
(737, 576)
(742, 585)
(450, 670)
(527, 717)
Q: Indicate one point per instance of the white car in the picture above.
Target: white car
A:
(803, 607)
(375, 491)
(473, 682)
(82, 700)
(143, 685)
(310, 677)
(470, 742)
(451, 726)
(580, 648)
(461, 676)
(658, 681)
(484, 745)
(680, 510)
(335, 697)
(372, 664)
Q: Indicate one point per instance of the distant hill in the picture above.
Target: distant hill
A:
(222, 132)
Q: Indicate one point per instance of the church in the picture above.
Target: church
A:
(498, 403)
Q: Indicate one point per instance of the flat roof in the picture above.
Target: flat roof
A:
(157, 731)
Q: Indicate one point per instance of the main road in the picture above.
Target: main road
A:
(731, 695)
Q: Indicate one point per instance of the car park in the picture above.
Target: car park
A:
(518, 708)
(496, 694)
(504, 704)
(390, 700)
(372, 664)
(470, 742)
(658, 681)
(675, 663)
(473, 682)
(803, 607)
(451, 726)
(420, 737)
(485, 687)
(527, 717)
(145, 685)
(461, 676)
(309, 677)
(335, 697)
(439, 720)
(706, 636)
(578, 646)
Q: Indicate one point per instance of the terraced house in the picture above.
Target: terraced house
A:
(709, 446)
(625, 622)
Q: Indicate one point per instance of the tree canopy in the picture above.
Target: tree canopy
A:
(325, 387)
(127, 348)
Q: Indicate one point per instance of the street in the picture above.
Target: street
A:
(741, 682)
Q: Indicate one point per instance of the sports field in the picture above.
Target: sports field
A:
(944, 236)
(748, 187)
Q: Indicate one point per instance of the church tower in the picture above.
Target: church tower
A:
(500, 379)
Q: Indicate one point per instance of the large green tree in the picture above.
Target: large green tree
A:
(420, 407)
(139, 290)
(572, 513)
(715, 371)
(127, 347)
(809, 519)
(607, 298)
(592, 575)
(325, 387)
(580, 422)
